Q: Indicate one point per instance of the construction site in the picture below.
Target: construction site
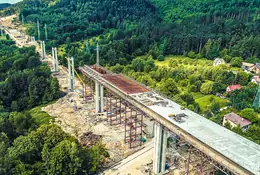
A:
(99, 105)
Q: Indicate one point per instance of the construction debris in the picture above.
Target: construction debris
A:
(89, 139)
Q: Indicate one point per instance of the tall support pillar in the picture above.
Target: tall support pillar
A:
(71, 74)
(55, 59)
(160, 145)
(22, 19)
(43, 50)
(97, 62)
(38, 28)
(99, 97)
(46, 32)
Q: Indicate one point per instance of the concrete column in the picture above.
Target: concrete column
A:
(56, 59)
(44, 50)
(39, 33)
(101, 98)
(71, 74)
(53, 58)
(69, 68)
(160, 145)
(97, 86)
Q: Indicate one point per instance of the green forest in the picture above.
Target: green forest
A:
(29, 142)
(194, 83)
(136, 35)
(130, 28)
(167, 45)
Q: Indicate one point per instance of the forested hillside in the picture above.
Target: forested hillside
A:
(29, 142)
(24, 81)
(4, 5)
(130, 28)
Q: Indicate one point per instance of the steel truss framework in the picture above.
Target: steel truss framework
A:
(120, 112)
(202, 166)
(88, 96)
(203, 160)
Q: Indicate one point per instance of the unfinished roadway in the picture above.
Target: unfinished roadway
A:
(224, 147)
(237, 154)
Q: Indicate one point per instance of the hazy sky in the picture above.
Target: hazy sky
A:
(9, 1)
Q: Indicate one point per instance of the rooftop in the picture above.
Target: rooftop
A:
(234, 87)
(257, 78)
(247, 64)
(233, 117)
(258, 65)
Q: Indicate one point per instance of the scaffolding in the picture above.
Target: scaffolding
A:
(133, 127)
(119, 112)
(114, 109)
(88, 96)
(198, 163)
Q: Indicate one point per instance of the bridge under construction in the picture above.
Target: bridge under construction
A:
(223, 149)
(127, 102)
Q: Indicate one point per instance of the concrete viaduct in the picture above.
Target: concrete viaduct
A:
(209, 140)
(127, 102)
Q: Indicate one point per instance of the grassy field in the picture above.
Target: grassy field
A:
(182, 60)
(205, 101)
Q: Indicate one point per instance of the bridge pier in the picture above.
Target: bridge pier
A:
(71, 74)
(55, 59)
(99, 97)
(43, 50)
(160, 145)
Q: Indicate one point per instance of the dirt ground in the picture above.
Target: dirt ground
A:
(78, 118)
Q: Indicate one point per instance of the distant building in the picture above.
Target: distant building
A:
(218, 61)
(247, 66)
(232, 88)
(256, 79)
(220, 95)
(255, 68)
(236, 120)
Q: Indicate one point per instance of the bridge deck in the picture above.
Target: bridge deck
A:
(238, 149)
(126, 85)
(231, 146)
